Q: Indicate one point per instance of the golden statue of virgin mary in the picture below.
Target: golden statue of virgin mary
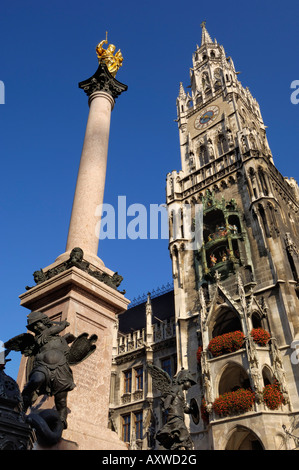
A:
(113, 62)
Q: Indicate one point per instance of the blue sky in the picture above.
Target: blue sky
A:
(47, 48)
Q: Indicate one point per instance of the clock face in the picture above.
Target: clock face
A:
(206, 117)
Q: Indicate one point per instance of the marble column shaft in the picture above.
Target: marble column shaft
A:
(90, 186)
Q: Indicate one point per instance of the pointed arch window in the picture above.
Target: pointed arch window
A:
(252, 142)
(264, 221)
(203, 155)
(263, 182)
(222, 145)
(205, 81)
(217, 79)
(227, 321)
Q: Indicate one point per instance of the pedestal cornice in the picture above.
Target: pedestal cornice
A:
(61, 285)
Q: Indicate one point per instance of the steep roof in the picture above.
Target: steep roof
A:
(134, 318)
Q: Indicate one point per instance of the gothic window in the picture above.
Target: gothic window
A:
(182, 222)
(292, 266)
(227, 321)
(263, 182)
(126, 428)
(139, 378)
(169, 365)
(222, 145)
(233, 378)
(264, 220)
(272, 218)
(244, 439)
(256, 320)
(127, 381)
(267, 376)
(212, 55)
(253, 182)
(138, 425)
(166, 365)
(203, 155)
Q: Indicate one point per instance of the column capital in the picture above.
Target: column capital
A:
(102, 80)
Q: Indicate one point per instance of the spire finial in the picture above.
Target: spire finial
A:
(205, 37)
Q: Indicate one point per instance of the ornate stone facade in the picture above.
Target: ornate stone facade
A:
(240, 280)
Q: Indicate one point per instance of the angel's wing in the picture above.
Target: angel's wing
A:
(161, 379)
(24, 342)
(81, 348)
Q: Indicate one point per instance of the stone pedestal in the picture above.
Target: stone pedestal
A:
(89, 306)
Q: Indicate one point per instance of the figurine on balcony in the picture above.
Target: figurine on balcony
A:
(213, 260)
(223, 256)
(233, 229)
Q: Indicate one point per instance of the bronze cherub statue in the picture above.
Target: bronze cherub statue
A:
(49, 359)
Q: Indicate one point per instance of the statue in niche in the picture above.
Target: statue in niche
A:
(217, 79)
(205, 81)
(244, 144)
(49, 360)
(230, 138)
(174, 435)
(211, 149)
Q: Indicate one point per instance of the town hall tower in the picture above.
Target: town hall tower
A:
(236, 292)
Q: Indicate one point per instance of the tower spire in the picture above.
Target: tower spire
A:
(205, 37)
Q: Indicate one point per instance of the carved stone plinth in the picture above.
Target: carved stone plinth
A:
(89, 305)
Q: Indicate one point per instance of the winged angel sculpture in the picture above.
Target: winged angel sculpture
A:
(49, 360)
(174, 434)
